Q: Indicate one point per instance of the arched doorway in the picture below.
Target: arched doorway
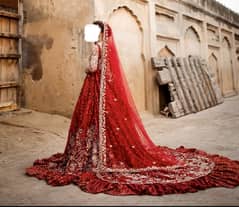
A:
(128, 37)
(227, 74)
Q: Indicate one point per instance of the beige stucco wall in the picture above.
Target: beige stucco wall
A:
(55, 54)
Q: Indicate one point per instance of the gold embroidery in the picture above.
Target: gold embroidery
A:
(94, 58)
(196, 166)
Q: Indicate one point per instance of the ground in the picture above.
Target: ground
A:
(27, 135)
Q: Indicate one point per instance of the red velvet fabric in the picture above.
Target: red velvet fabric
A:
(109, 151)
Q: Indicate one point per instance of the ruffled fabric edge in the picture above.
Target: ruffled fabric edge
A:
(224, 174)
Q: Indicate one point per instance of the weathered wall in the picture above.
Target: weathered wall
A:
(54, 53)
(129, 22)
(171, 28)
(198, 27)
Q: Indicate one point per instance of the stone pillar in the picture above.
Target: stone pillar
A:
(153, 104)
(204, 52)
(182, 30)
(234, 64)
(220, 59)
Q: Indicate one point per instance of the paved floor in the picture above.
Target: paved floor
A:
(28, 135)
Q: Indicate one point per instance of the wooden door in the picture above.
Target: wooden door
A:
(9, 56)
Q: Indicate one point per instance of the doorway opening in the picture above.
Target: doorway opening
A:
(164, 100)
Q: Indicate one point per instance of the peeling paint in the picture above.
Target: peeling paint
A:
(32, 50)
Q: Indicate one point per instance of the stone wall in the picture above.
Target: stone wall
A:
(55, 54)
(198, 27)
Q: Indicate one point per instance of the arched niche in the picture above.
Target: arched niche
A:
(166, 52)
(213, 66)
(192, 42)
(227, 71)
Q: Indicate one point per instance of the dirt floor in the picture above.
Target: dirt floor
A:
(27, 135)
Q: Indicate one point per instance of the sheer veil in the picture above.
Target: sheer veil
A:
(120, 125)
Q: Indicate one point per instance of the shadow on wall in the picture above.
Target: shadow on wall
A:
(32, 50)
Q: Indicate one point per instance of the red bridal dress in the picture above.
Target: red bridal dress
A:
(109, 151)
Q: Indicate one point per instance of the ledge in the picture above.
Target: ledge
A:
(10, 56)
(10, 84)
(158, 35)
(207, 9)
(9, 35)
(9, 14)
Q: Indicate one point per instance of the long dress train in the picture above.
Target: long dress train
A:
(109, 151)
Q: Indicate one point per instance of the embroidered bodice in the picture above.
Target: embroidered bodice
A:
(95, 57)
